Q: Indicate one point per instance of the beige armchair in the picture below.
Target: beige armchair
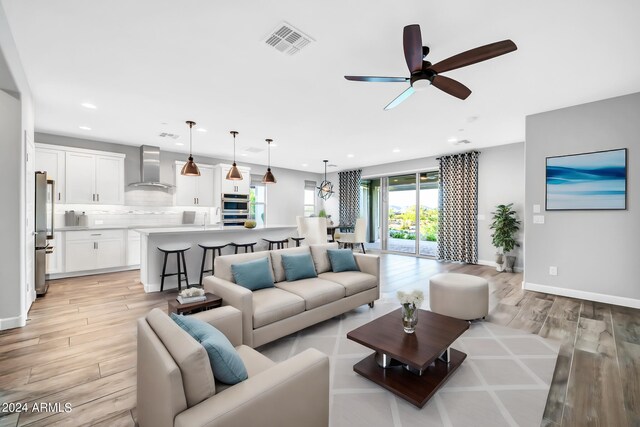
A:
(176, 385)
(358, 237)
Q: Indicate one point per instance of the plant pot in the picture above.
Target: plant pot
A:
(499, 262)
(509, 263)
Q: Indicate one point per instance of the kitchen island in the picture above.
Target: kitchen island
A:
(151, 258)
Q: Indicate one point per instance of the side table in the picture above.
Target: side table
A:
(212, 301)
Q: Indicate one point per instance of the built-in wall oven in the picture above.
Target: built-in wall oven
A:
(235, 209)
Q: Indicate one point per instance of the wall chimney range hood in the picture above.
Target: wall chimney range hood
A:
(150, 168)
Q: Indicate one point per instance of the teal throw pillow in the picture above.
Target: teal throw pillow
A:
(342, 260)
(253, 275)
(298, 267)
(226, 364)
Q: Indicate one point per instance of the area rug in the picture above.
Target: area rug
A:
(503, 382)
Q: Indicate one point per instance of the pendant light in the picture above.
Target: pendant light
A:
(268, 177)
(325, 190)
(190, 168)
(234, 173)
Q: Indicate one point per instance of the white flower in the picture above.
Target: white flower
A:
(192, 292)
(416, 297)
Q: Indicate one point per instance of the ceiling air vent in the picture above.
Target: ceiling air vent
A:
(287, 39)
(462, 142)
(168, 135)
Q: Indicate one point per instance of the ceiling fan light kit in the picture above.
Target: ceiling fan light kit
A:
(190, 168)
(268, 177)
(425, 74)
(234, 173)
(325, 189)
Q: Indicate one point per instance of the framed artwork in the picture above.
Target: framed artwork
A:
(587, 181)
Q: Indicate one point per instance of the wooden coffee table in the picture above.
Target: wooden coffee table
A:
(413, 366)
(212, 301)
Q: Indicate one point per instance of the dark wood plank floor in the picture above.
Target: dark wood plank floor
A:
(79, 347)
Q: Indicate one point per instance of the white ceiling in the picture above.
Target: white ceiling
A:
(146, 62)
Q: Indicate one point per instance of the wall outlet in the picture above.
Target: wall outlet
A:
(538, 219)
(536, 208)
(553, 270)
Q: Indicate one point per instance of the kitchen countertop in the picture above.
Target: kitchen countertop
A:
(207, 229)
(127, 227)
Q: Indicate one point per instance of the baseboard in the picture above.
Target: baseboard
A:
(54, 276)
(494, 265)
(589, 296)
(12, 322)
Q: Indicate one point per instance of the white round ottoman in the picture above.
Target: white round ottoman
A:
(457, 295)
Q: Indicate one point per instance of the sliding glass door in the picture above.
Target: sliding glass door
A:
(402, 213)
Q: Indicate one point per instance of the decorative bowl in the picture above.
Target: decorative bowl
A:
(250, 224)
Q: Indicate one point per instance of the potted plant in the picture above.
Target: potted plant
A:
(505, 226)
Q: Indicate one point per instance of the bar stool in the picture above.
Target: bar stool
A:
(279, 244)
(297, 240)
(213, 246)
(179, 249)
(246, 246)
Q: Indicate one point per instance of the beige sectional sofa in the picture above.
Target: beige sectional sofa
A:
(269, 314)
(176, 386)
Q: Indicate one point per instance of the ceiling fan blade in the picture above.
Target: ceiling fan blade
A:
(376, 79)
(412, 42)
(452, 87)
(474, 55)
(404, 95)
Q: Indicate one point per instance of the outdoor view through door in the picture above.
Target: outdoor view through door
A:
(396, 224)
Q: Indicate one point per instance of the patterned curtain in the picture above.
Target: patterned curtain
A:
(349, 197)
(458, 208)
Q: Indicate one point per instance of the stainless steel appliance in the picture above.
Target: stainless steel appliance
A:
(235, 209)
(43, 233)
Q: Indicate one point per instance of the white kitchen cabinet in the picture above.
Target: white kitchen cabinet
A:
(133, 247)
(94, 249)
(52, 161)
(226, 186)
(56, 257)
(94, 178)
(195, 190)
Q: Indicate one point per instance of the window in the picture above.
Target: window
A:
(309, 198)
(258, 201)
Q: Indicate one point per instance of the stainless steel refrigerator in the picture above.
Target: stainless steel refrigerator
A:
(44, 202)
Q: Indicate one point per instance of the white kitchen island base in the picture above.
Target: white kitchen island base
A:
(151, 258)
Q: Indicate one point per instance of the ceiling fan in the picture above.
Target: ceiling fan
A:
(423, 73)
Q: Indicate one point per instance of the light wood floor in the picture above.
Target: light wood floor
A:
(79, 347)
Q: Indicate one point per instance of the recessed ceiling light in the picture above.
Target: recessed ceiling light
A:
(350, 155)
(201, 130)
(88, 105)
(84, 127)
(304, 165)
(244, 154)
(452, 139)
(396, 150)
(273, 145)
(179, 144)
(164, 123)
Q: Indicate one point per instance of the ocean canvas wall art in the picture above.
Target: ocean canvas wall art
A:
(587, 181)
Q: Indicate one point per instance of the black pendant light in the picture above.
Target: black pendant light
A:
(325, 190)
(268, 177)
(234, 173)
(190, 168)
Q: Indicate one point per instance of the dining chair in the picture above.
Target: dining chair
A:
(313, 229)
(358, 237)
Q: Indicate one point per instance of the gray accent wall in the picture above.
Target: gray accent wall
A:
(596, 252)
(285, 200)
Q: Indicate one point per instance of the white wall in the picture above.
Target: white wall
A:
(596, 252)
(16, 123)
(500, 181)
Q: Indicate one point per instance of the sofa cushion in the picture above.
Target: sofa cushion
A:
(276, 260)
(353, 281)
(297, 267)
(342, 260)
(320, 257)
(225, 362)
(189, 355)
(222, 264)
(315, 292)
(273, 304)
(253, 275)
